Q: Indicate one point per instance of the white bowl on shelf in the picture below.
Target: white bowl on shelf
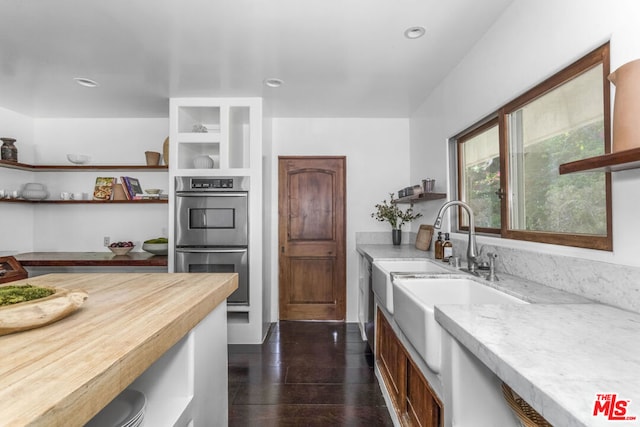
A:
(34, 191)
(78, 159)
(156, 248)
(203, 162)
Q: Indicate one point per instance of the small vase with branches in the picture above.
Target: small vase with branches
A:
(396, 217)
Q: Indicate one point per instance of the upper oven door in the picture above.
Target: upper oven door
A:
(211, 219)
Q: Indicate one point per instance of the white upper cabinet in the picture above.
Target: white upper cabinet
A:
(214, 134)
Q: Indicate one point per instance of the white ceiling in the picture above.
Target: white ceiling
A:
(338, 58)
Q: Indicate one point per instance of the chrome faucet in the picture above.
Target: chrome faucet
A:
(472, 248)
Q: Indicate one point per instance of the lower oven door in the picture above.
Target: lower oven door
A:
(218, 260)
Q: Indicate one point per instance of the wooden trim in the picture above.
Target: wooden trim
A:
(564, 239)
(462, 139)
(61, 168)
(503, 135)
(592, 59)
(98, 202)
(610, 162)
(90, 259)
(422, 197)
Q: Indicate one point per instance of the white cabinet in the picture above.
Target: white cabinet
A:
(365, 302)
(226, 130)
(223, 137)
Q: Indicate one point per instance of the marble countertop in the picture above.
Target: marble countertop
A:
(379, 252)
(556, 357)
(524, 289)
(557, 353)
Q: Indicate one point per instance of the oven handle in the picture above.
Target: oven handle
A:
(207, 250)
(211, 194)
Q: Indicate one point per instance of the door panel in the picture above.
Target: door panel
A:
(311, 206)
(311, 213)
(321, 291)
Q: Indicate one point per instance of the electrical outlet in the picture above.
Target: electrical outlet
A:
(106, 241)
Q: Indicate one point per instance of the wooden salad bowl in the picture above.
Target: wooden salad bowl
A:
(40, 312)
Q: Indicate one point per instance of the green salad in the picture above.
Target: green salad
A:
(21, 293)
(158, 240)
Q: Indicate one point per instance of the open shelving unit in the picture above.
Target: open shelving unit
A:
(82, 168)
(76, 202)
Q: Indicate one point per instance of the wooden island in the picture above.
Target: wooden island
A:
(160, 333)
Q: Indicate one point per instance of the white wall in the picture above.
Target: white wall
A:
(16, 218)
(377, 152)
(531, 41)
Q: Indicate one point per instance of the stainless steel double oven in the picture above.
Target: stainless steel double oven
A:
(212, 229)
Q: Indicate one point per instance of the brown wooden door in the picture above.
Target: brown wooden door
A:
(311, 211)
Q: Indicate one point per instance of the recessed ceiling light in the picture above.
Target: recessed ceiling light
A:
(273, 82)
(86, 82)
(414, 32)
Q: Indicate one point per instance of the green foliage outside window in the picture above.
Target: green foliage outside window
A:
(572, 203)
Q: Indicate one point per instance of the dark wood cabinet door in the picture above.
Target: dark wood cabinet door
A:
(391, 362)
(413, 400)
(423, 409)
(311, 212)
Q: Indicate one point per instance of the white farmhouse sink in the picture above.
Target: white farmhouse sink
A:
(382, 286)
(414, 299)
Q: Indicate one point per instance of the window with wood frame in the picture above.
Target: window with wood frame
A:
(508, 165)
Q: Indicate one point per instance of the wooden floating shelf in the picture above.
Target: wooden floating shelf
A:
(611, 162)
(423, 197)
(61, 168)
(98, 202)
(90, 259)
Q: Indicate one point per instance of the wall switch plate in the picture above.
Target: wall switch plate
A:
(106, 241)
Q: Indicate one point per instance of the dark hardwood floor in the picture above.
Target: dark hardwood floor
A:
(305, 374)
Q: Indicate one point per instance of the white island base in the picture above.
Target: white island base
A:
(188, 385)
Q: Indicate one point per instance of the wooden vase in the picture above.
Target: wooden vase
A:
(152, 157)
(165, 151)
(626, 107)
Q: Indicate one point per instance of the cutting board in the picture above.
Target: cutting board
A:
(423, 239)
(40, 312)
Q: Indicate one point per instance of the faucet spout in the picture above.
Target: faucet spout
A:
(472, 247)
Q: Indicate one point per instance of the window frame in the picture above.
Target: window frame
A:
(587, 62)
(462, 139)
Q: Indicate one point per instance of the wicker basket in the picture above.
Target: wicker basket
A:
(527, 415)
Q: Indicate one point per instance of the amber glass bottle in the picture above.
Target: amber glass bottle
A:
(438, 247)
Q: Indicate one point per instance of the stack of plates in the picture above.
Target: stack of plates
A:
(126, 410)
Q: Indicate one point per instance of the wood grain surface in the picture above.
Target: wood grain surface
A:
(40, 312)
(90, 259)
(64, 373)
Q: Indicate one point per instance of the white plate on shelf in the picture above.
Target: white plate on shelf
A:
(126, 410)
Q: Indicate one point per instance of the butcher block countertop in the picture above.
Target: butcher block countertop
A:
(64, 373)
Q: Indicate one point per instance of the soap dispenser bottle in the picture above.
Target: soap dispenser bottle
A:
(438, 252)
(447, 248)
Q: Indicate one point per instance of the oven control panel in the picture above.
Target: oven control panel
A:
(214, 184)
(204, 183)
